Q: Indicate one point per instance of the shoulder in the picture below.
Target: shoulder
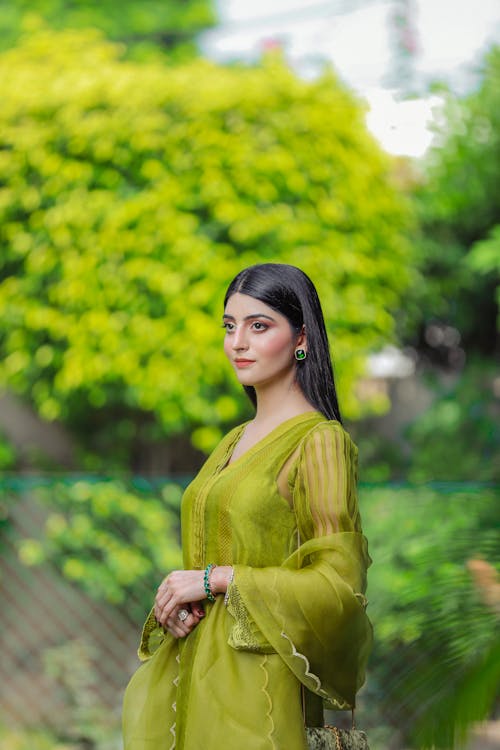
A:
(328, 434)
(326, 444)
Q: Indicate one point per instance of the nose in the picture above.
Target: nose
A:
(239, 341)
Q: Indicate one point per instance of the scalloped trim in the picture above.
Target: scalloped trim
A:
(264, 690)
(173, 728)
(317, 682)
(296, 653)
(172, 732)
(308, 672)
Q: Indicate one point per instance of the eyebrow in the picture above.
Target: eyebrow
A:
(251, 317)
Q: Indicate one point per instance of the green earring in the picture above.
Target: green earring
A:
(300, 354)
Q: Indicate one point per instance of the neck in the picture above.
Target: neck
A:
(279, 401)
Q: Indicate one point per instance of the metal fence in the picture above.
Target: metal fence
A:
(65, 657)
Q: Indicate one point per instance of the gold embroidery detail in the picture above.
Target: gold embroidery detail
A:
(244, 635)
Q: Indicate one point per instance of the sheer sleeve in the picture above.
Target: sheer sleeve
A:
(311, 610)
(324, 484)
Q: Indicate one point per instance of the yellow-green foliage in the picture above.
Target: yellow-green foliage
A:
(130, 195)
(112, 538)
(140, 25)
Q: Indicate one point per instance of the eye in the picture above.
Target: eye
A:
(258, 326)
(228, 326)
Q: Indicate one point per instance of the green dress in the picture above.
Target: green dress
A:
(295, 610)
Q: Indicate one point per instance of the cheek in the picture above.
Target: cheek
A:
(277, 345)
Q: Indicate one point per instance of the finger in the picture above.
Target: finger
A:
(171, 606)
(174, 632)
(161, 616)
(161, 602)
(163, 596)
(173, 619)
(190, 623)
(182, 628)
(197, 609)
(182, 615)
(158, 610)
(162, 588)
(157, 607)
(165, 618)
(177, 628)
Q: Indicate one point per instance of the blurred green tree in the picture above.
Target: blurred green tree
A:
(132, 193)
(434, 595)
(459, 215)
(456, 439)
(141, 27)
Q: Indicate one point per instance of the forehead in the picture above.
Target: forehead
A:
(240, 305)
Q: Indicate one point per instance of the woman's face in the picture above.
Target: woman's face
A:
(259, 341)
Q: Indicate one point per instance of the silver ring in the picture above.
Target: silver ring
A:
(182, 614)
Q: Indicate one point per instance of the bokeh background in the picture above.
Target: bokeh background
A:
(150, 150)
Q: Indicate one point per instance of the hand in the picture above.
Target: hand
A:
(184, 587)
(181, 628)
(179, 588)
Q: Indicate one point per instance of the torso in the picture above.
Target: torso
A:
(235, 498)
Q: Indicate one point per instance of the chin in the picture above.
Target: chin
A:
(244, 379)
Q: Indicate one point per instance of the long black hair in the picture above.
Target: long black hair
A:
(289, 291)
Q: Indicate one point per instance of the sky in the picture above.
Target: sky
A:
(450, 38)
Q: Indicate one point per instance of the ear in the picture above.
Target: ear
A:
(301, 340)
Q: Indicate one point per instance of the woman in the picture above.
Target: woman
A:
(267, 621)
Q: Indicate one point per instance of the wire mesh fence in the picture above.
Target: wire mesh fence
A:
(65, 656)
(67, 650)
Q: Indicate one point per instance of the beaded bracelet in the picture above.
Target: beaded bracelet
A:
(206, 582)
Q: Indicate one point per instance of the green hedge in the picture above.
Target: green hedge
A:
(130, 195)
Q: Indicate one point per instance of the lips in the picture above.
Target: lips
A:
(243, 362)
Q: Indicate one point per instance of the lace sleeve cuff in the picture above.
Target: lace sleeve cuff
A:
(244, 635)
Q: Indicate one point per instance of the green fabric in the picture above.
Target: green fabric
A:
(296, 608)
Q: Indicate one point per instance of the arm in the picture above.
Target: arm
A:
(311, 609)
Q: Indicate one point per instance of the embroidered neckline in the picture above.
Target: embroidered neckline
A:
(273, 434)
